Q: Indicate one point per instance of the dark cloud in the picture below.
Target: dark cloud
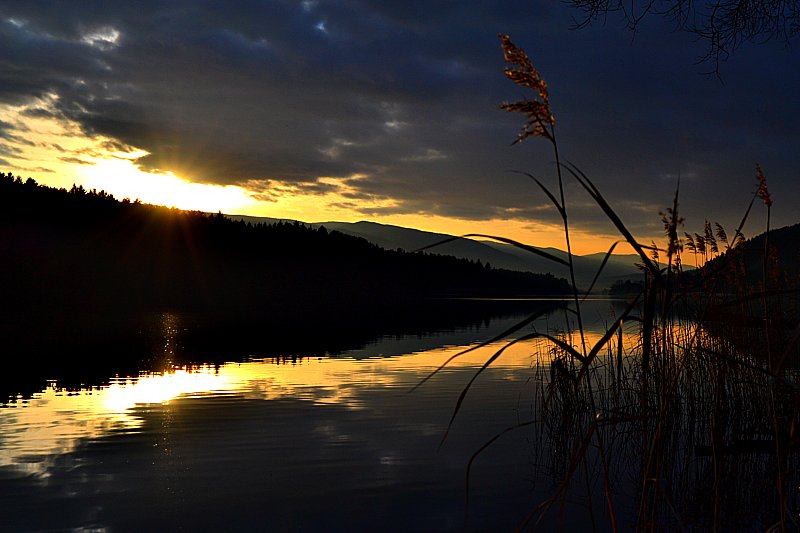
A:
(7, 134)
(40, 112)
(19, 169)
(75, 160)
(406, 95)
(9, 151)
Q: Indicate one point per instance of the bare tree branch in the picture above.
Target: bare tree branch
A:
(723, 24)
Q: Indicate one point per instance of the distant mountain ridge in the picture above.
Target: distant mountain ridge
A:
(69, 252)
(499, 255)
(784, 244)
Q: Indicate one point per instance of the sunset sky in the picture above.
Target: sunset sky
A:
(389, 111)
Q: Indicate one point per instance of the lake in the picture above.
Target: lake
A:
(331, 441)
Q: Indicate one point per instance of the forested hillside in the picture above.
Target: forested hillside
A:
(85, 251)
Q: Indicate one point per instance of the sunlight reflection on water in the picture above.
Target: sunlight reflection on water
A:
(53, 421)
(278, 428)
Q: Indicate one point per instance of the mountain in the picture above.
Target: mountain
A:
(409, 240)
(785, 245)
(784, 263)
(498, 255)
(73, 251)
(617, 268)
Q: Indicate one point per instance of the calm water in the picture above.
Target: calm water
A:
(325, 443)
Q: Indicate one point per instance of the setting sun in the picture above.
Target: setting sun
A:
(124, 179)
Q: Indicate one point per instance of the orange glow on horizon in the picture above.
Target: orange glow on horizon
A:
(58, 154)
(124, 179)
(316, 209)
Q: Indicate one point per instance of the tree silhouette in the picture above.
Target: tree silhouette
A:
(723, 24)
(74, 250)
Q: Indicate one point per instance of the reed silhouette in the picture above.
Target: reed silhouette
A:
(683, 414)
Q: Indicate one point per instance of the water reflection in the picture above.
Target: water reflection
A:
(87, 349)
(280, 429)
(54, 421)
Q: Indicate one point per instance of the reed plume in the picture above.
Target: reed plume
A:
(524, 74)
(763, 190)
(700, 377)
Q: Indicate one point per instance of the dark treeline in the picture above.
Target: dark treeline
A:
(86, 351)
(781, 247)
(85, 248)
(81, 266)
(769, 262)
(748, 294)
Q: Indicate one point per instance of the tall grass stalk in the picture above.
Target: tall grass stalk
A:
(680, 416)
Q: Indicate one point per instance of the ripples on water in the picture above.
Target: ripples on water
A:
(319, 443)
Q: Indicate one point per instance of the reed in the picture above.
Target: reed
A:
(683, 415)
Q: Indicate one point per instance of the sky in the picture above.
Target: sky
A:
(389, 112)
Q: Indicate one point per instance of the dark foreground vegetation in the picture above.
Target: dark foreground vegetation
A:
(684, 415)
